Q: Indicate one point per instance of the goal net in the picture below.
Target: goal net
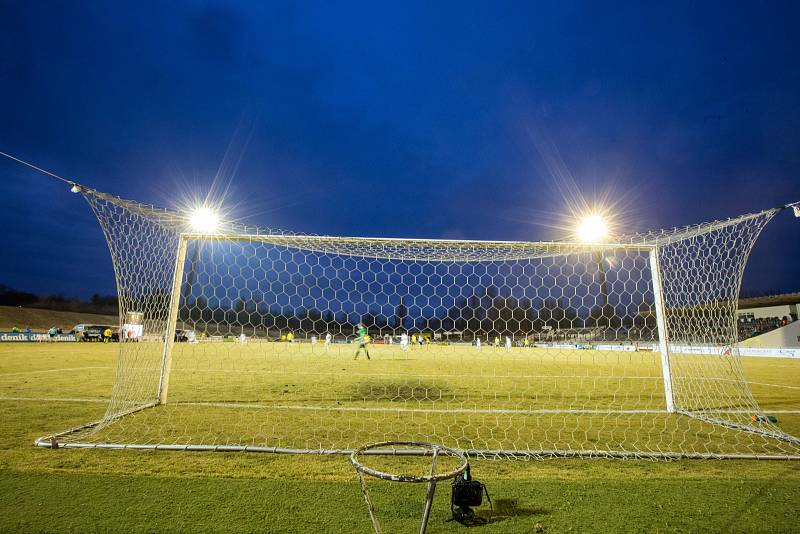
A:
(248, 339)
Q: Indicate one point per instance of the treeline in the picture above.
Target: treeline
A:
(99, 304)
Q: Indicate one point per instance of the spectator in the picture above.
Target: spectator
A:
(14, 330)
(28, 330)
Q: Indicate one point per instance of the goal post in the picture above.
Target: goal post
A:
(257, 339)
(661, 322)
(172, 319)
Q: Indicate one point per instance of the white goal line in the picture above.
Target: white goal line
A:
(406, 410)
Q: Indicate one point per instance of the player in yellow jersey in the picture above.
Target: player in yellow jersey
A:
(362, 340)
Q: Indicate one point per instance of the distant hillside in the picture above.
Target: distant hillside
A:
(38, 319)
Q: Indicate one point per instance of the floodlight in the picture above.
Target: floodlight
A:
(75, 188)
(204, 220)
(592, 229)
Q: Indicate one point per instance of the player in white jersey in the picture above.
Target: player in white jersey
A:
(327, 341)
(508, 344)
(404, 341)
(478, 343)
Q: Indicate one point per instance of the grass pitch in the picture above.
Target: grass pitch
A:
(45, 388)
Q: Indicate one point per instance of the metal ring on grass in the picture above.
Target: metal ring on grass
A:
(437, 449)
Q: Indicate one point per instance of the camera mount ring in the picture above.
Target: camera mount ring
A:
(427, 449)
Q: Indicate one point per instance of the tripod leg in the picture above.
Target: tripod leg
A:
(370, 507)
(429, 495)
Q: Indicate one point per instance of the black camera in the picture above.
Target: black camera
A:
(467, 493)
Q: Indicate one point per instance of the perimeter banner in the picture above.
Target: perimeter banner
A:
(22, 336)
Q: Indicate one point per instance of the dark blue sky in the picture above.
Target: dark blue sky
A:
(426, 119)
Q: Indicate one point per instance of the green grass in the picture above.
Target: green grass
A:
(303, 397)
(157, 491)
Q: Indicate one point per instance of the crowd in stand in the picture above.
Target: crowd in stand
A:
(755, 326)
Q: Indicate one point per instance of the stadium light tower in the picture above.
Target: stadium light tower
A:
(592, 229)
(204, 220)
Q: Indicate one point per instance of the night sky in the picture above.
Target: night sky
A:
(420, 119)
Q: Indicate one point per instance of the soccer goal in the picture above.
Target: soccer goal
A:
(246, 338)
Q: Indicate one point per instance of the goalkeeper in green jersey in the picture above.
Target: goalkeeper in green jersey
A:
(362, 340)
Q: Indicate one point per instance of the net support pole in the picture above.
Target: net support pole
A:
(172, 319)
(661, 323)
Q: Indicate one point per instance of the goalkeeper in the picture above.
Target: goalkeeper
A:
(362, 340)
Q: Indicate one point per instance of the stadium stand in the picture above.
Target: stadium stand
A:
(759, 315)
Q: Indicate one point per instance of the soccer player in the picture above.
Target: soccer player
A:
(508, 344)
(478, 343)
(242, 338)
(290, 337)
(327, 341)
(362, 340)
(404, 341)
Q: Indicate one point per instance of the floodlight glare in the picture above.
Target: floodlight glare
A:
(204, 220)
(592, 229)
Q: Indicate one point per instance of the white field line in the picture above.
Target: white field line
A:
(55, 399)
(774, 385)
(3, 375)
(432, 410)
(772, 411)
(416, 410)
(328, 375)
(370, 409)
(428, 376)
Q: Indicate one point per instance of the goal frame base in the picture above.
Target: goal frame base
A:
(52, 443)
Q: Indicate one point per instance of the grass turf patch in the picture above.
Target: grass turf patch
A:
(96, 503)
(156, 491)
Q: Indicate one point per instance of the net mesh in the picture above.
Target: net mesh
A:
(249, 339)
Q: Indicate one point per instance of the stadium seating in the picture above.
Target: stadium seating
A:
(750, 327)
